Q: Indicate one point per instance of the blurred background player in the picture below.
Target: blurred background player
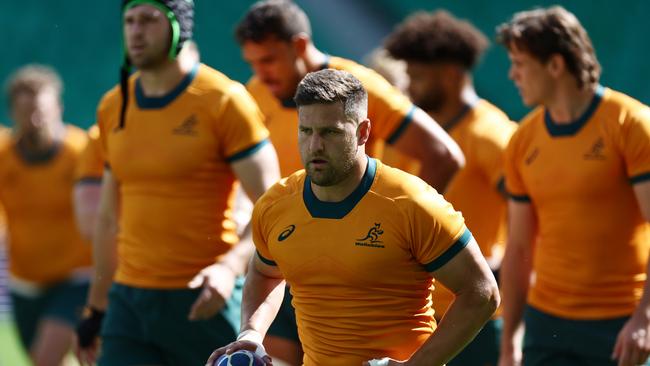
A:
(87, 187)
(176, 136)
(358, 242)
(275, 38)
(394, 71)
(391, 69)
(49, 263)
(440, 53)
(578, 175)
(90, 170)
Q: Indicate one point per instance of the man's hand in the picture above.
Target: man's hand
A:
(86, 344)
(383, 362)
(633, 342)
(217, 281)
(249, 340)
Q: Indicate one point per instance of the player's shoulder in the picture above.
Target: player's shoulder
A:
(408, 192)
(75, 138)
(112, 98)
(93, 132)
(262, 95)
(393, 183)
(209, 81)
(286, 188)
(256, 87)
(619, 108)
(369, 78)
(5, 139)
(490, 121)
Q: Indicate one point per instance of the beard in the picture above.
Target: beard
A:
(330, 175)
(151, 60)
(430, 102)
(337, 168)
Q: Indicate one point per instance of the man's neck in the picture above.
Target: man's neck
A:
(41, 143)
(569, 102)
(159, 81)
(314, 59)
(342, 190)
(452, 109)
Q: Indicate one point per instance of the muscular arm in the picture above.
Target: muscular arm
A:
(256, 173)
(515, 274)
(468, 276)
(86, 204)
(424, 140)
(104, 242)
(263, 294)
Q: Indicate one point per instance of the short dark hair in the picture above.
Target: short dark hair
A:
(32, 79)
(331, 86)
(280, 18)
(437, 37)
(546, 32)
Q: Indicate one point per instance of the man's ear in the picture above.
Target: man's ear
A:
(300, 42)
(556, 65)
(363, 131)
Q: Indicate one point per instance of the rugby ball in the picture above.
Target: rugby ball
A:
(239, 358)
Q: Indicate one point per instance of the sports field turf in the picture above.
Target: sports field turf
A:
(10, 352)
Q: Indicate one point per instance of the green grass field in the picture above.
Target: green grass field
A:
(10, 352)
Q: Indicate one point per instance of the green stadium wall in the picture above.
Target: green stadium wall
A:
(82, 40)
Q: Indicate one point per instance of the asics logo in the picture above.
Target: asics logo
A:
(286, 232)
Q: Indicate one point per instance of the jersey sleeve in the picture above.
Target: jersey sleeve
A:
(260, 232)
(389, 110)
(636, 145)
(514, 183)
(90, 167)
(107, 111)
(438, 231)
(241, 125)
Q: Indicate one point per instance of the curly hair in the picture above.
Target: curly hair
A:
(547, 32)
(437, 37)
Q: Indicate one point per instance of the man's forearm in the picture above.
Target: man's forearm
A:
(104, 262)
(462, 321)
(240, 254)
(515, 279)
(261, 301)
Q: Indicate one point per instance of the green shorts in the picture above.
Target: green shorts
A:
(63, 302)
(150, 327)
(550, 340)
(484, 349)
(284, 325)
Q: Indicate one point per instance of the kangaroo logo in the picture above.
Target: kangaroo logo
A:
(286, 232)
(372, 238)
(187, 127)
(596, 151)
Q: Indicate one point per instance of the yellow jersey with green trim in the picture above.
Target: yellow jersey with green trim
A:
(482, 131)
(389, 112)
(592, 248)
(45, 246)
(172, 161)
(359, 270)
(91, 162)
